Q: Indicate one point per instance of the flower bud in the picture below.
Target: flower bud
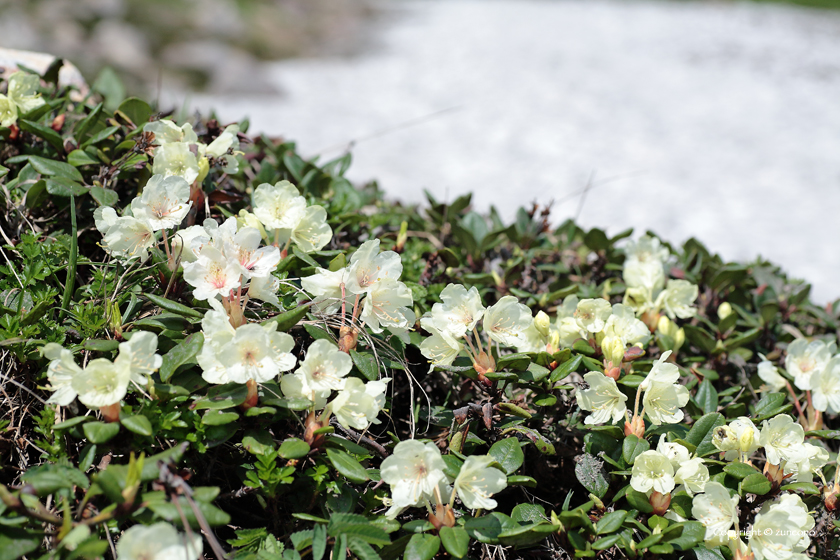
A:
(724, 310)
(635, 427)
(747, 443)
(660, 502)
(542, 322)
(613, 349)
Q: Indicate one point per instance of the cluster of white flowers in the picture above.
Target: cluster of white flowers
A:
(219, 259)
(614, 328)
(645, 276)
(324, 370)
(453, 323)
(783, 441)
(374, 276)
(663, 399)
(101, 382)
(415, 472)
(180, 154)
(21, 97)
(814, 367)
(660, 470)
(779, 532)
(286, 218)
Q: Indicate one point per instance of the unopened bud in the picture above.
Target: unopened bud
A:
(724, 310)
(613, 349)
(613, 373)
(253, 396)
(746, 443)
(542, 322)
(635, 427)
(660, 502)
(830, 497)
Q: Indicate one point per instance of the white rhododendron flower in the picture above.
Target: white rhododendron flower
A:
(368, 266)
(568, 331)
(663, 402)
(60, 373)
(825, 387)
(769, 374)
(325, 285)
(387, 304)
(101, 383)
(124, 237)
(806, 460)
(739, 439)
(182, 243)
(477, 481)
(717, 511)
(251, 352)
(279, 206)
(693, 475)
(678, 299)
(358, 404)
(780, 437)
(414, 470)
(139, 356)
(591, 314)
(160, 541)
(460, 311)
(212, 274)
(677, 453)
(167, 132)
(265, 289)
(164, 202)
(254, 261)
(780, 530)
(652, 471)
(507, 321)
(602, 399)
(804, 359)
(323, 369)
(312, 233)
(21, 97)
(661, 372)
(623, 324)
(226, 142)
(441, 348)
(176, 158)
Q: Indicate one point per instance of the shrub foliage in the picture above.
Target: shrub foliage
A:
(376, 380)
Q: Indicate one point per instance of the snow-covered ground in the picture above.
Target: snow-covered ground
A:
(714, 120)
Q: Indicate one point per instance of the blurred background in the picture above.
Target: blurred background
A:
(707, 119)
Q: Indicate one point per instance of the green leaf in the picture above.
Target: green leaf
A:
(15, 543)
(632, 447)
(258, 442)
(103, 134)
(755, 484)
(137, 111)
(700, 434)
(111, 87)
(293, 448)
(174, 307)
(740, 470)
(219, 418)
(519, 480)
(285, 321)
(611, 522)
(138, 424)
(487, 528)
(583, 347)
(808, 488)
(98, 345)
(515, 362)
(222, 396)
(590, 473)
(349, 467)
(566, 368)
(53, 168)
(61, 186)
(707, 397)
(606, 542)
(78, 158)
(362, 549)
(48, 478)
(44, 132)
(422, 547)
(768, 405)
(528, 513)
(366, 363)
(455, 540)
(100, 432)
(358, 526)
(638, 501)
(182, 353)
(508, 453)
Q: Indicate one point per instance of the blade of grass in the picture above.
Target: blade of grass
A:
(74, 253)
